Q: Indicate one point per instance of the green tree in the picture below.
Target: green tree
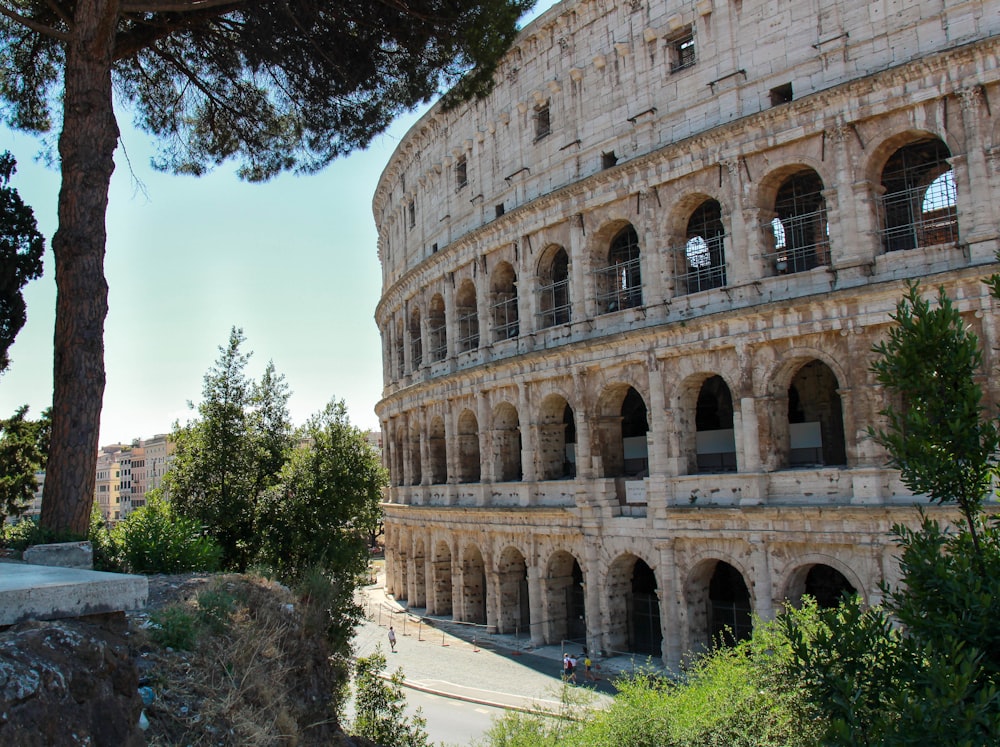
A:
(226, 457)
(277, 86)
(924, 669)
(380, 707)
(23, 445)
(21, 250)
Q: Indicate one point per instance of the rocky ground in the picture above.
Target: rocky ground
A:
(211, 660)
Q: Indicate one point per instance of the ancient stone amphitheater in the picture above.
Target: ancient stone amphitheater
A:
(629, 302)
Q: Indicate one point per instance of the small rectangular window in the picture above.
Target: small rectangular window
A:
(682, 50)
(543, 124)
(411, 210)
(781, 94)
(608, 159)
(461, 172)
(500, 210)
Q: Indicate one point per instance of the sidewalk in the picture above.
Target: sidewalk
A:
(442, 657)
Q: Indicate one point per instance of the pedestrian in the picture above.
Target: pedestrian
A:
(569, 668)
(587, 666)
(392, 639)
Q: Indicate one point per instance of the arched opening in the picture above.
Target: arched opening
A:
(468, 447)
(402, 574)
(467, 318)
(556, 440)
(506, 443)
(822, 582)
(419, 597)
(416, 473)
(565, 607)
(399, 350)
(553, 289)
(715, 437)
(397, 461)
(438, 452)
(441, 582)
(437, 330)
(515, 611)
(634, 605)
(815, 418)
(701, 264)
(621, 429)
(619, 282)
(918, 206)
(798, 230)
(504, 302)
(416, 343)
(730, 611)
(473, 586)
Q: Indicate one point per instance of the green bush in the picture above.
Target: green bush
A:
(380, 706)
(173, 627)
(155, 539)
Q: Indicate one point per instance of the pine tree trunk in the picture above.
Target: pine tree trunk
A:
(86, 148)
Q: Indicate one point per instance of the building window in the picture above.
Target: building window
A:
(461, 172)
(681, 47)
(416, 343)
(608, 159)
(504, 308)
(500, 210)
(798, 231)
(619, 283)
(701, 262)
(467, 317)
(411, 213)
(437, 333)
(781, 94)
(553, 291)
(543, 124)
(918, 207)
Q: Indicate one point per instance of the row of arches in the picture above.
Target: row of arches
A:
(438, 449)
(915, 197)
(624, 606)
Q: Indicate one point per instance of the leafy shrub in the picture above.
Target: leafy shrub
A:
(380, 706)
(173, 627)
(155, 539)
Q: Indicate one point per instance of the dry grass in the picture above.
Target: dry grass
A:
(253, 675)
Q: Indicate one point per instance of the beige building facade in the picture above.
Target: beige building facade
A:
(629, 301)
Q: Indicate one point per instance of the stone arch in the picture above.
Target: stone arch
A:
(796, 234)
(416, 339)
(466, 317)
(881, 149)
(398, 350)
(700, 256)
(826, 580)
(719, 605)
(397, 457)
(633, 607)
(711, 448)
(621, 430)
(619, 271)
(815, 417)
(469, 463)
(917, 205)
(565, 606)
(437, 451)
(506, 443)
(503, 302)
(515, 610)
(553, 287)
(441, 579)
(473, 575)
(556, 439)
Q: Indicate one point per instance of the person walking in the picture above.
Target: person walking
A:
(569, 668)
(587, 668)
(392, 639)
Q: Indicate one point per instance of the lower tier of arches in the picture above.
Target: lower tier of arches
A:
(661, 587)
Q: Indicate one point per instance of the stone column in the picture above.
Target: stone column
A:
(536, 606)
(492, 593)
(580, 280)
(487, 468)
(671, 598)
(973, 183)
(659, 435)
(594, 600)
(766, 597)
(741, 241)
(584, 444)
(529, 436)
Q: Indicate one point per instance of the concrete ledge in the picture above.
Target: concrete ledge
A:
(35, 592)
(65, 554)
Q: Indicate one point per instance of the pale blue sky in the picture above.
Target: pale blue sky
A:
(293, 262)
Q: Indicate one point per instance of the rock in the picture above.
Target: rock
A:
(68, 682)
(64, 554)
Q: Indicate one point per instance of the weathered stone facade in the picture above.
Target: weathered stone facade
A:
(629, 301)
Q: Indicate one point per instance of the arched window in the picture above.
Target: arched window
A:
(815, 418)
(799, 230)
(702, 261)
(467, 318)
(504, 302)
(553, 289)
(918, 205)
(416, 344)
(437, 331)
(400, 351)
(619, 283)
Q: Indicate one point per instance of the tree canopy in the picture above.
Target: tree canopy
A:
(276, 86)
(21, 250)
